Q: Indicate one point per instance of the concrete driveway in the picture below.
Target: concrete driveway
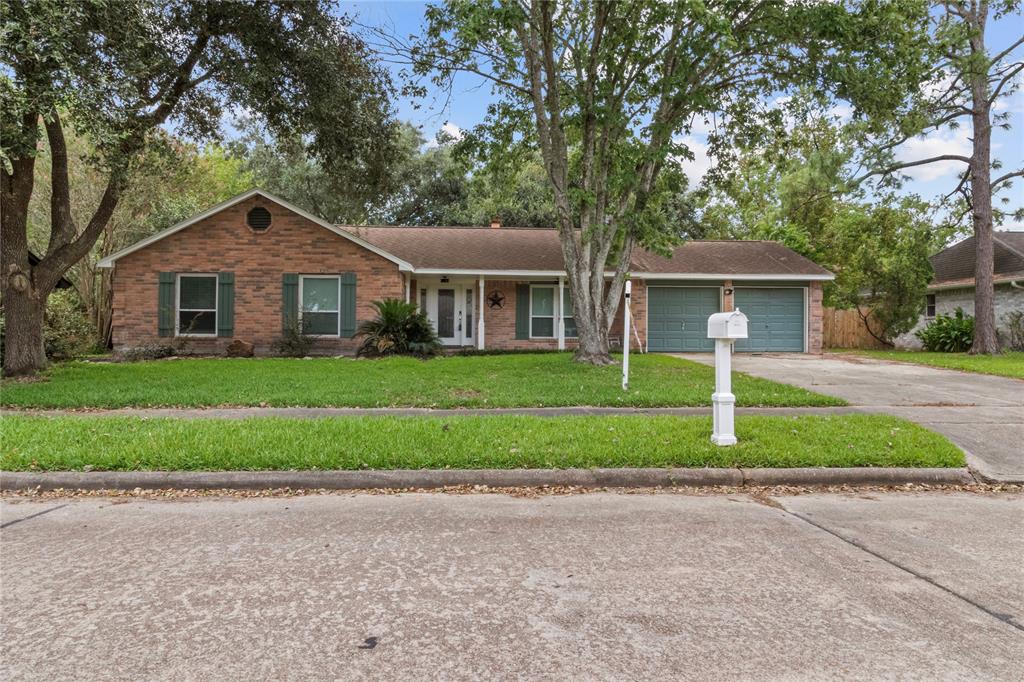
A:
(595, 586)
(982, 414)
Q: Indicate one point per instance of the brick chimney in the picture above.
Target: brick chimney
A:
(495, 222)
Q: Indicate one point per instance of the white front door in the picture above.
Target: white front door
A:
(450, 309)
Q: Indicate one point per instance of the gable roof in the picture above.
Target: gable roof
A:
(530, 250)
(108, 262)
(526, 251)
(954, 266)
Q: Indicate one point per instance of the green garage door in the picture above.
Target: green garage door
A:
(677, 318)
(776, 319)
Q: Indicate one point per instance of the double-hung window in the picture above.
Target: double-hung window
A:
(929, 305)
(320, 297)
(197, 305)
(542, 311)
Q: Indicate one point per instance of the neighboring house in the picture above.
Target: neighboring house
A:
(952, 286)
(250, 266)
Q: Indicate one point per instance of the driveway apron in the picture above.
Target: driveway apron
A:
(983, 415)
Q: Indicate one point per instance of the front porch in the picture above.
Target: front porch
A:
(473, 311)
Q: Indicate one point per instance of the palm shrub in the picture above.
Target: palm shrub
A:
(948, 333)
(399, 329)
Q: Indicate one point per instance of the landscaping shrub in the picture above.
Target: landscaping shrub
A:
(295, 342)
(948, 333)
(155, 350)
(1015, 327)
(399, 329)
(67, 332)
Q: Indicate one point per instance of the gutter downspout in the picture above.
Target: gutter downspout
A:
(1016, 284)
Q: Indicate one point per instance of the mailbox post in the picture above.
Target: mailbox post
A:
(725, 328)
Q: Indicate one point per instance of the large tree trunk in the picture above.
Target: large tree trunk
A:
(985, 339)
(23, 332)
(24, 301)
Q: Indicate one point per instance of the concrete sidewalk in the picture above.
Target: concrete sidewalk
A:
(983, 415)
(598, 586)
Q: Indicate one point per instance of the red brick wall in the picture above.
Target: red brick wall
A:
(500, 323)
(224, 243)
(815, 318)
(638, 306)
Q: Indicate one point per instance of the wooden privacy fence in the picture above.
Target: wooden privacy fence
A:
(845, 329)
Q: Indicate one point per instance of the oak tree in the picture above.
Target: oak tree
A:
(117, 72)
(608, 90)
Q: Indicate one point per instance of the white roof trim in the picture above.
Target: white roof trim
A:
(636, 275)
(108, 262)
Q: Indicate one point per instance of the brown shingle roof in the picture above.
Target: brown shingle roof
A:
(538, 249)
(954, 266)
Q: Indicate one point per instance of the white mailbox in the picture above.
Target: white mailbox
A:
(724, 328)
(730, 325)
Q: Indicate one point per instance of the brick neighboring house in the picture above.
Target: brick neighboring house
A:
(252, 265)
(952, 285)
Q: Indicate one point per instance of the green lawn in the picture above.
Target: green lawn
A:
(1009, 364)
(470, 442)
(516, 380)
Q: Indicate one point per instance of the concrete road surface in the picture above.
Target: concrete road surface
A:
(609, 586)
(982, 414)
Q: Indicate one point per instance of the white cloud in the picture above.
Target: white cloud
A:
(936, 144)
(701, 164)
(450, 131)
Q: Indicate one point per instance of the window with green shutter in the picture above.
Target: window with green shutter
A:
(321, 304)
(197, 305)
(165, 303)
(225, 304)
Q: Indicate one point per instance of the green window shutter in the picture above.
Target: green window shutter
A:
(226, 304)
(522, 311)
(165, 304)
(289, 301)
(348, 304)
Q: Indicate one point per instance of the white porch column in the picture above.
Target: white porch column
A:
(480, 324)
(407, 284)
(561, 313)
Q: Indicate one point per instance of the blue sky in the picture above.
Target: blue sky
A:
(471, 95)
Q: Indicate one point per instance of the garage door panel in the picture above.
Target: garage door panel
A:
(776, 318)
(677, 318)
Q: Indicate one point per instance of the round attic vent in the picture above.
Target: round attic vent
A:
(258, 219)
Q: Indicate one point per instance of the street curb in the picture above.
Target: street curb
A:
(493, 478)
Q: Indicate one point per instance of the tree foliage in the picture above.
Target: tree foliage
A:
(116, 72)
(796, 192)
(606, 90)
(967, 78)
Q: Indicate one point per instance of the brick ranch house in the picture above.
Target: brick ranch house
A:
(245, 268)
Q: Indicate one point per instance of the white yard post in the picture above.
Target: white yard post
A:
(724, 328)
(723, 400)
(561, 313)
(480, 324)
(625, 337)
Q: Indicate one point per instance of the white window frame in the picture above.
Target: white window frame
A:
(562, 317)
(302, 311)
(555, 305)
(178, 310)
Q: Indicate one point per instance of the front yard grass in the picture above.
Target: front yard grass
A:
(465, 442)
(1008, 364)
(516, 380)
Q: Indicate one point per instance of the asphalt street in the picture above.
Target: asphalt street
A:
(867, 585)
